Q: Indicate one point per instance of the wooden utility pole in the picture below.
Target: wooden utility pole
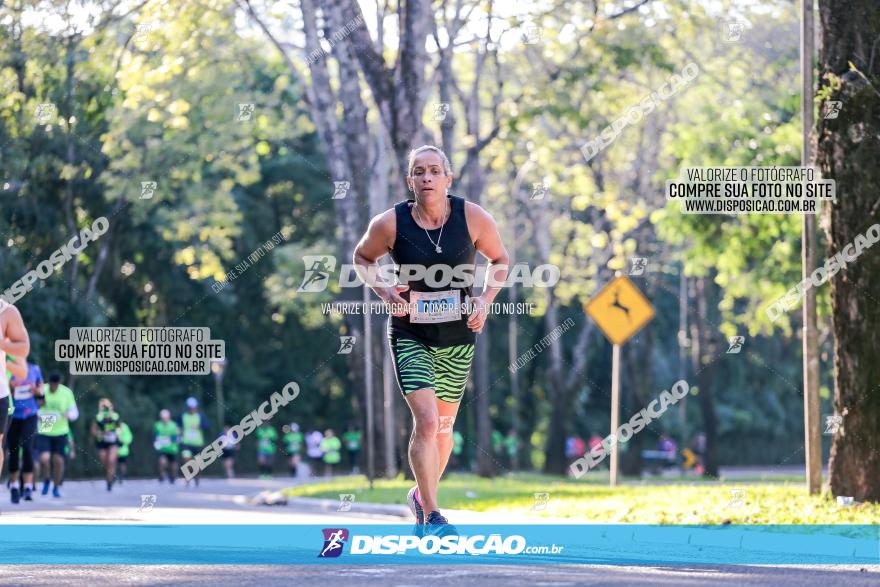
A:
(368, 391)
(812, 434)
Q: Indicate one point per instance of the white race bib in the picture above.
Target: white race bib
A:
(434, 306)
(109, 437)
(23, 392)
(162, 442)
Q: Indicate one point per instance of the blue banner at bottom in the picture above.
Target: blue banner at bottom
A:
(372, 544)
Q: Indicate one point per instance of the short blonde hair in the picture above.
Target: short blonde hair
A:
(447, 167)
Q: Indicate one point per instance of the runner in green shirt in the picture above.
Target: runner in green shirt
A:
(105, 429)
(10, 360)
(293, 441)
(193, 428)
(58, 409)
(352, 439)
(266, 447)
(166, 435)
(457, 448)
(125, 438)
(330, 446)
(511, 445)
(69, 453)
(497, 441)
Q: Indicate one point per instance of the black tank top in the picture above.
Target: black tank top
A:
(412, 246)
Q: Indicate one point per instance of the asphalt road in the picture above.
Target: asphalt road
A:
(232, 502)
(214, 501)
(419, 576)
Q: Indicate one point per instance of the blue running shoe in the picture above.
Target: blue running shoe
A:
(55, 492)
(45, 487)
(414, 506)
(438, 525)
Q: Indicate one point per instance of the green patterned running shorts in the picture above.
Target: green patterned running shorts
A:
(443, 369)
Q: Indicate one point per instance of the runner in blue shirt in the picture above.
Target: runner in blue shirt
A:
(23, 431)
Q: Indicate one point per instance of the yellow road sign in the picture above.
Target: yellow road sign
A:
(620, 309)
(690, 459)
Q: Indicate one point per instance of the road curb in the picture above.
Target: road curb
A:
(841, 546)
(332, 505)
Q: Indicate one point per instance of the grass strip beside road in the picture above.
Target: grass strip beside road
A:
(594, 502)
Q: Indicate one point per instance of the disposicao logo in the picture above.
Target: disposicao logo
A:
(334, 540)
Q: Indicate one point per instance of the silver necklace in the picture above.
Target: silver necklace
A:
(439, 236)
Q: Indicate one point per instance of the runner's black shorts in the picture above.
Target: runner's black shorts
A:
(56, 445)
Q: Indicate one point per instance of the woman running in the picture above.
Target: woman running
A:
(14, 349)
(105, 429)
(57, 412)
(166, 438)
(23, 432)
(125, 440)
(431, 339)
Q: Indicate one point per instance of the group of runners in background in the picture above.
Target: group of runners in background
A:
(38, 437)
(322, 449)
(177, 441)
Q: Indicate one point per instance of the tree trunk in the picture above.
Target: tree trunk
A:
(398, 91)
(378, 201)
(355, 137)
(344, 143)
(705, 395)
(847, 152)
(70, 160)
(444, 90)
(637, 388)
(473, 176)
(512, 353)
(554, 461)
(485, 451)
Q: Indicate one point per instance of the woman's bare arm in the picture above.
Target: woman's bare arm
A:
(14, 338)
(487, 241)
(18, 367)
(376, 242)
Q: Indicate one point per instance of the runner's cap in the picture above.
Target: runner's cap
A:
(192, 402)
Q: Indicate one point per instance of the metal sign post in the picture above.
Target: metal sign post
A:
(615, 408)
(620, 310)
